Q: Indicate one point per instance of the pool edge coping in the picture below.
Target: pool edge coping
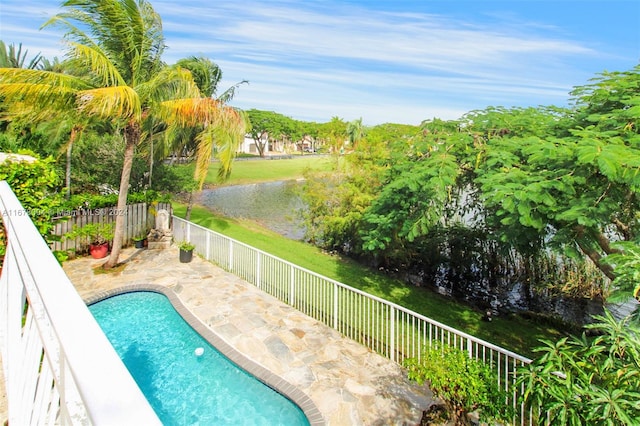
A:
(264, 375)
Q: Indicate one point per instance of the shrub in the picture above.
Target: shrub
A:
(464, 384)
(94, 233)
(587, 380)
(33, 182)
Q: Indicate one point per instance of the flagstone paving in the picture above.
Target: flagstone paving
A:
(337, 381)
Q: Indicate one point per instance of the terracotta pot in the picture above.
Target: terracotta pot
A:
(99, 251)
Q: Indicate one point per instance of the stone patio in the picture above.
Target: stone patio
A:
(336, 381)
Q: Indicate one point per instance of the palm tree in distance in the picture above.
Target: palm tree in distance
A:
(12, 57)
(119, 43)
(355, 131)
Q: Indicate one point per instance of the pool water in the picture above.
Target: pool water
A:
(159, 349)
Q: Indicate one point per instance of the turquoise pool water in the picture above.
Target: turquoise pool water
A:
(159, 349)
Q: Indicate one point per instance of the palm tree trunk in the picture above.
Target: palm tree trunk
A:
(151, 159)
(75, 131)
(131, 136)
(187, 215)
(67, 177)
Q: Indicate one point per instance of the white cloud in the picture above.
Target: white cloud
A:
(315, 60)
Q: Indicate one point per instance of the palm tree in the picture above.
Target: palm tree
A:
(119, 43)
(207, 76)
(15, 58)
(355, 131)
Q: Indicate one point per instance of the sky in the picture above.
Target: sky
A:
(385, 61)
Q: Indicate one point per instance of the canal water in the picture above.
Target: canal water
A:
(275, 205)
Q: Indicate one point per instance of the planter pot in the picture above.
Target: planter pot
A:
(186, 256)
(98, 251)
(140, 243)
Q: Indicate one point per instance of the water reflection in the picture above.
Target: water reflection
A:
(272, 204)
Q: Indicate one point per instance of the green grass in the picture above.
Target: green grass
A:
(252, 171)
(514, 333)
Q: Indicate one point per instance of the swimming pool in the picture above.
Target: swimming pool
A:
(162, 352)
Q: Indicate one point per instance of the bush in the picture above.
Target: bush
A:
(33, 183)
(464, 384)
(94, 233)
(97, 201)
(587, 380)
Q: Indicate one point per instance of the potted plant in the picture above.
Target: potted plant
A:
(98, 234)
(186, 251)
(140, 240)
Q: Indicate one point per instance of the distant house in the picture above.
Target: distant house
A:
(248, 146)
(277, 146)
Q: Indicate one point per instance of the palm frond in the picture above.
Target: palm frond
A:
(110, 102)
(191, 111)
(228, 95)
(128, 32)
(33, 76)
(226, 135)
(95, 60)
(168, 84)
(27, 96)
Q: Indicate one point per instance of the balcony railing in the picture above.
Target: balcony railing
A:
(58, 365)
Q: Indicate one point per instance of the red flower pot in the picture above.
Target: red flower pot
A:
(98, 251)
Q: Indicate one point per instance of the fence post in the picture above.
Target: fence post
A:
(258, 277)
(335, 306)
(207, 247)
(392, 325)
(292, 284)
(230, 255)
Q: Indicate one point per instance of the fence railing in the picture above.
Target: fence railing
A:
(139, 218)
(385, 327)
(58, 365)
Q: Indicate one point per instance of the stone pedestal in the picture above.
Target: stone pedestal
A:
(160, 237)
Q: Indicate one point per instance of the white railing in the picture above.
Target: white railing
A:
(385, 327)
(58, 365)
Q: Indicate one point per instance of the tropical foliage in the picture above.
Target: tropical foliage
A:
(34, 182)
(116, 47)
(528, 196)
(464, 384)
(587, 380)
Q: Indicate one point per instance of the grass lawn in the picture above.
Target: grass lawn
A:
(264, 170)
(514, 333)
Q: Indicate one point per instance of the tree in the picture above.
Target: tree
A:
(627, 269)
(267, 126)
(533, 178)
(579, 185)
(120, 44)
(207, 75)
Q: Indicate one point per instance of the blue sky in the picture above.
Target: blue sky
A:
(385, 61)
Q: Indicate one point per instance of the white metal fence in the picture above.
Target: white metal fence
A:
(59, 366)
(385, 327)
